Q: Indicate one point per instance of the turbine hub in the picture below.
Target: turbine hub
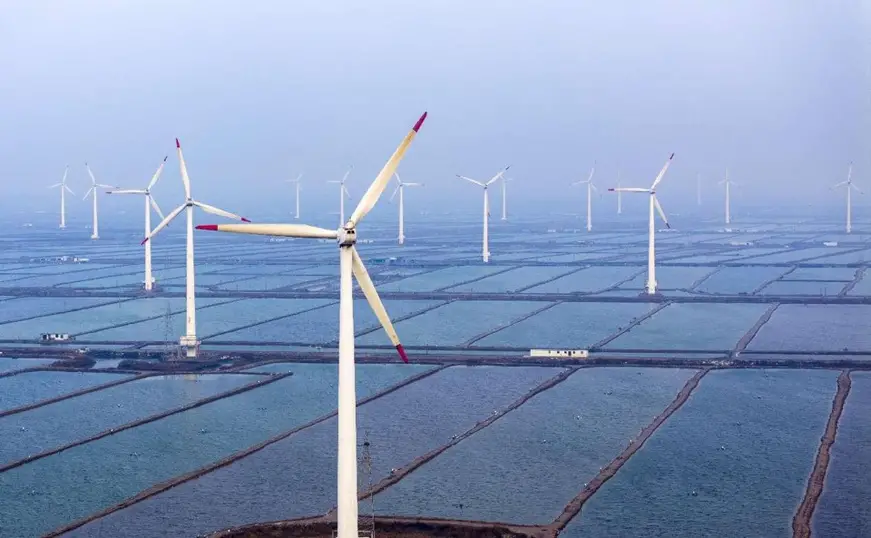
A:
(347, 237)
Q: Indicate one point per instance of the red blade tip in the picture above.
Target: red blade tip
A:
(245, 220)
(144, 241)
(672, 157)
(177, 143)
(209, 227)
(611, 190)
(419, 123)
(402, 354)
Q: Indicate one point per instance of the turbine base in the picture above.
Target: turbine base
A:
(191, 346)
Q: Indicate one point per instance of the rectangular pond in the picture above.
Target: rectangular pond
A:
(699, 326)
(568, 326)
(795, 327)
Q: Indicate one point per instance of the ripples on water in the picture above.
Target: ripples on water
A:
(728, 463)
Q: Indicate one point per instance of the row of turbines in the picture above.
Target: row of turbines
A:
(352, 268)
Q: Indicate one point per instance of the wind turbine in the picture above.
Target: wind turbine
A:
(728, 183)
(149, 204)
(505, 181)
(63, 207)
(189, 341)
(651, 245)
(95, 231)
(619, 196)
(850, 186)
(297, 182)
(486, 247)
(343, 191)
(401, 189)
(590, 187)
(349, 263)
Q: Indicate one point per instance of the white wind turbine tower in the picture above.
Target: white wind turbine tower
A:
(297, 182)
(350, 264)
(401, 189)
(505, 181)
(850, 186)
(651, 245)
(189, 341)
(486, 242)
(63, 190)
(728, 183)
(149, 205)
(590, 188)
(95, 231)
(343, 191)
(619, 196)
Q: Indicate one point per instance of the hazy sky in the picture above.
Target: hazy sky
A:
(258, 91)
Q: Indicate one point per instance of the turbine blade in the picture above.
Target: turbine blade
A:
(155, 207)
(85, 197)
(69, 190)
(175, 212)
(184, 171)
(394, 192)
(55, 185)
(220, 212)
(278, 230)
(499, 175)
(66, 171)
(104, 186)
(841, 184)
(156, 175)
(661, 212)
(345, 190)
(470, 179)
(628, 189)
(398, 179)
(373, 193)
(662, 172)
(374, 300)
(93, 179)
(593, 186)
(413, 184)
(127, 191)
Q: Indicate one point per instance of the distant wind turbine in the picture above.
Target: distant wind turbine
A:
(651, 244)
(189, 341)
(150, 204)
(95, 230)
(505, 181)
(850, 186)
(728, 183)
(63, 190)
(343, 191)
(619, 196)
(486, 242)
(590, 188)
(297, 183)
(400, 188)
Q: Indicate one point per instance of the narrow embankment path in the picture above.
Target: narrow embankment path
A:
(801, 522)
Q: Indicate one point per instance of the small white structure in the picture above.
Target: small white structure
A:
(830, 243)
(560, 353)
(55, 337)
